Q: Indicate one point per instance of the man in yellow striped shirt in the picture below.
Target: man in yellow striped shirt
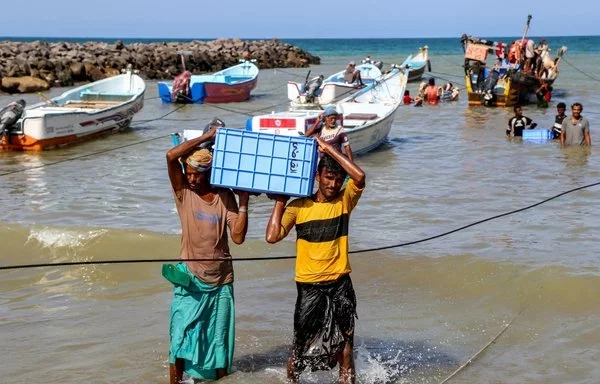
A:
(326, 303)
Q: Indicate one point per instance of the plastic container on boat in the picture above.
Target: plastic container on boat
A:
(264, 162)
(537, 134)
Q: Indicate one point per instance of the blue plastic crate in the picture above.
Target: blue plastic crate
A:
(263, 162)
(537, 134)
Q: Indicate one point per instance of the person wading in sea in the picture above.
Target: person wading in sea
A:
(326, 304)
(575, 130)
(202, 327)
(518, 123)
(558, 120)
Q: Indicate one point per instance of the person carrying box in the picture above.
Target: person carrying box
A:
(326, 304)
(202, 330)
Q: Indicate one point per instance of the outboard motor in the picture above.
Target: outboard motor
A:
(378, 64)
(10, 114)
(312, 88)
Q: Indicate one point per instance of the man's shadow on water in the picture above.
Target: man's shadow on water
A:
(400, 358)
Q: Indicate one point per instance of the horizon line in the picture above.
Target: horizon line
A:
(269, 38)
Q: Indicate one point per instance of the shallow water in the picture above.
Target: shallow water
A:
(423, 309)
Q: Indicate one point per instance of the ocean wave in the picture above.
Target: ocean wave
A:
(63, 238)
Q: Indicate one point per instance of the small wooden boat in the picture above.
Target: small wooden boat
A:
(77, 115)
(366, 116)
(330, 90)
(417, 64)
(510, 79)
(232, 84)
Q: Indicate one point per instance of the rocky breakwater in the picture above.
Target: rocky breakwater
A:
(35, 66)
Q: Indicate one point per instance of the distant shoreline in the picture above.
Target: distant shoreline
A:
(189, 39)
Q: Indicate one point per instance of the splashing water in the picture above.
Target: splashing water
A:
(55, 238)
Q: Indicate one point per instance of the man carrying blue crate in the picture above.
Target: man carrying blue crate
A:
(202, 327)
(326, 304)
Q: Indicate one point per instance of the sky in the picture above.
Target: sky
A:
(298, 19)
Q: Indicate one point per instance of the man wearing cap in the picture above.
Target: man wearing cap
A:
(326, 128)
(202, 330)
(352, 75)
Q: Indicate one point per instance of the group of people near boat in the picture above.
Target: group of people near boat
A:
(531, 58)
(432, 94)
(202, 325)
(570, 130)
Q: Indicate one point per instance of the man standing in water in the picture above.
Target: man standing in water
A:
(326, 304)
(558, 120)
(518, 123)
(202, 314)
(575, 129)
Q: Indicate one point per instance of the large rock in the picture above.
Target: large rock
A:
(95, 74)
(61, 63)
(78, 71)
(25, 84)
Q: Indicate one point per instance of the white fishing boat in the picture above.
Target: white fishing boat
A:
(417, 64)
(77, 115)
(366, 116)
(318, 93)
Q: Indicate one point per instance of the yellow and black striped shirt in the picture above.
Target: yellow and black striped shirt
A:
(322, 230)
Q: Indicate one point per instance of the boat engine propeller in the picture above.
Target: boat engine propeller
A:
(312, 88)
(10, 114)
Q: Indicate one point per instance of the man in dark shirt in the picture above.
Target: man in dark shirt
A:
(558, 120)
(518, 123)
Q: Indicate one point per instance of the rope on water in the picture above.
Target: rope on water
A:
(98, 152)
(476, 355)
(72, 263)
(140, 122)
(580, 71)
(480, 221)
(83, 156)
(156, 119)
(462, 84)
(288, 72)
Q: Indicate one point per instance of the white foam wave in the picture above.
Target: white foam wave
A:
(62, 238)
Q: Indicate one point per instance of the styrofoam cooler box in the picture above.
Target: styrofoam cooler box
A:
(537, 134)
(264, 162)
(291, 123)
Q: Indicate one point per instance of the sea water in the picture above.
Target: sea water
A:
(423, 309)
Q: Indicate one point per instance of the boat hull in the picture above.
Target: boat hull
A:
(230, 85)
(367, 116)
(512, 93)
(416, 64)
(224, 93)
(416, 74)
(75, 119)
(371, 136)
